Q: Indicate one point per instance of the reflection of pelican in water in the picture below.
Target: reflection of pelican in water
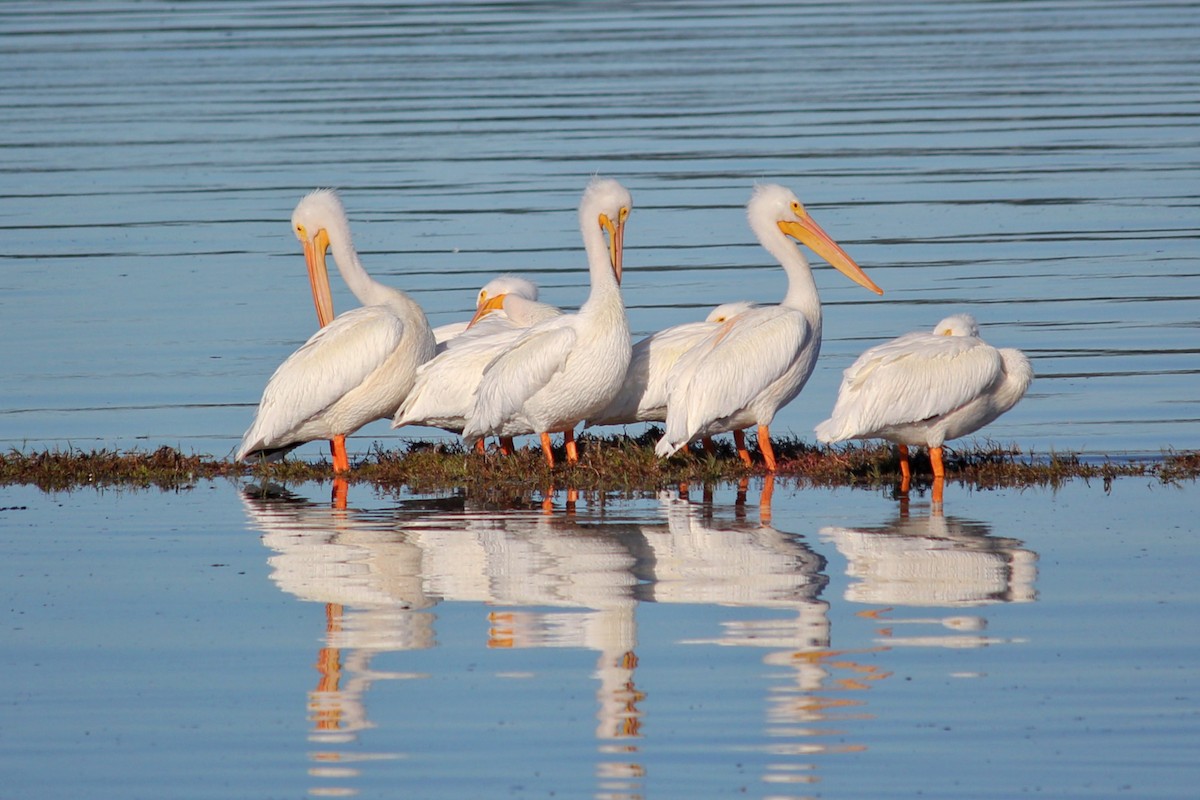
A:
(537, 580)
(699, 556)
(378, 582)
(934, 561)
(702, 557)
(586, 576)
(331, 555)
(353, 564)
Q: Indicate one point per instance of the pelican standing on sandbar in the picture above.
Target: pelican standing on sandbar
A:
(444, 391)
(745, 370)
(358, 367)
(561, 370)
(925, 388)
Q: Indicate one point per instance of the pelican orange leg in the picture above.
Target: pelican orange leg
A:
(739, 441)
(337, 447)
(764, 444)
(569, 442)
(939, 474)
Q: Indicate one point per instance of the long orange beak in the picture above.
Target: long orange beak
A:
(318, 276)
(807, 231)
(616, 241)
(488, 306)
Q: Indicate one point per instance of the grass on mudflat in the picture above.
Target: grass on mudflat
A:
(616, 462)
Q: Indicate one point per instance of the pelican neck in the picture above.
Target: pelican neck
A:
(801, 292)
(600, 269)
(368, 290)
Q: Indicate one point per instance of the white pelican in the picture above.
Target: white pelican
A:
(755, 363)
(643, 396)
(504, 299)
(444, 391)
(561, 370)
(356, 369)
(922, 389)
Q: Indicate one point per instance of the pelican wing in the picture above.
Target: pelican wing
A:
(916, 377)
(674, 341)
(335, 360)
(518, 373)
(445, 385)
(731, 367)
(643, 394)
(444, 335)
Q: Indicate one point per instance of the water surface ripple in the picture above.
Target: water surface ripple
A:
(259, 641)
(1036, 164)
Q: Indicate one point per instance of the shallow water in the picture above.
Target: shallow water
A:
(1034, 163)
(250, 641)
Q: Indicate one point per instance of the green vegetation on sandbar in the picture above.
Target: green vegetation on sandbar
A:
(606, 463)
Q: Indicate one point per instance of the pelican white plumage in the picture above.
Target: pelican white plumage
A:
(925, 388)
(444, 391)
(505, 302)
(561, 370)
(357, 368)
(510, 301)
(745, 370)
(643, 395)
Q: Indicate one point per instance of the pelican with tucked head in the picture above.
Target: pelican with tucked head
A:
(925, 388)
(504, 302)
(444, 391)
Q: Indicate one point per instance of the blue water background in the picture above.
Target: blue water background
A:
(1035, 164)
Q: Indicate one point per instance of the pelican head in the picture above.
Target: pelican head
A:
(491, 296)
(773, 205)
(607, 203)
(957, 325)
(311, 220)
(727, 311)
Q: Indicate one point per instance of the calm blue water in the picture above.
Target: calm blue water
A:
(221, 642)
(1034, 163)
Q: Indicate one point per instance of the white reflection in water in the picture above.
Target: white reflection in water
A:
(937, 561)
(568, 580)
(709, 560)
(370, 585)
